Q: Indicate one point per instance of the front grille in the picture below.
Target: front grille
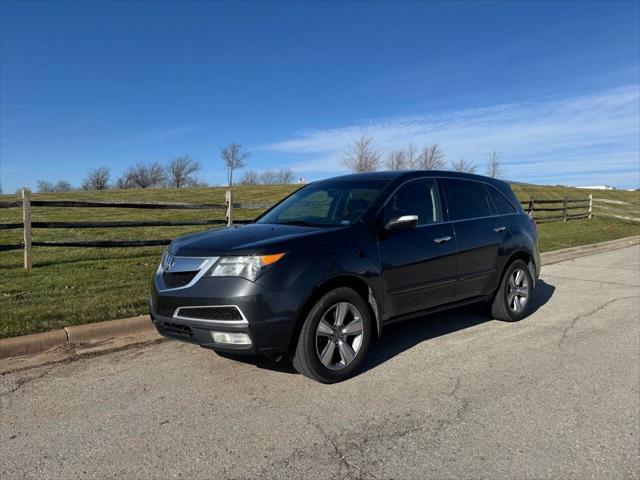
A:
(178, 279)
(227, 313)
(177, 329)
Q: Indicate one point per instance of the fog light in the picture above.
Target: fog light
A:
(231, 338)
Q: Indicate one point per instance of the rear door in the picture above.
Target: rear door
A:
(418, 264)
(478, 236)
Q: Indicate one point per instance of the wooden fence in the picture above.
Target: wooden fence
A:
(560, 210)
(27, 225)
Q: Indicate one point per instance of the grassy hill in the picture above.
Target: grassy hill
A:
(70, 286)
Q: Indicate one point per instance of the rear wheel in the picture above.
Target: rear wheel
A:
(513, 299)
(335, 337)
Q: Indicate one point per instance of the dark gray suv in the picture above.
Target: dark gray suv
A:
(320, 274)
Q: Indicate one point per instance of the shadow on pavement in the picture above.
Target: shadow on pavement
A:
(401, 336)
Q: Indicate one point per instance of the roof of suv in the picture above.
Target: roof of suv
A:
(407, 174)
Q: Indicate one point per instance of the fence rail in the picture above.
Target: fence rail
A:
(564, 205)
(27, 225)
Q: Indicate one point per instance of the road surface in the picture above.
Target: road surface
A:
(452, 395)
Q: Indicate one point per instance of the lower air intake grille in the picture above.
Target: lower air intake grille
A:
(178, 279)
(229, 313)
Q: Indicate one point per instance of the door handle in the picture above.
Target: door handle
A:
(499, 229)
(440, 240)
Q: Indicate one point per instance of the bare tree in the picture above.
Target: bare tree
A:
(44, 187)
(269, 177)
(431, 158)
(285, 176)
(411, 156)
(495, 169)
(463, 165)
(362, 156)
(250, 177)
(63, 186)
(397, 160)
(233, 158)
(181, 172)
(123, 182)
(97, 179)
(141, 175)
(47, 187)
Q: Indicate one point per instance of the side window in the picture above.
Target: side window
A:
(417, 197)
(503, 206)
(465, 199)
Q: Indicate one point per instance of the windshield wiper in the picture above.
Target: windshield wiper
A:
(303, 223)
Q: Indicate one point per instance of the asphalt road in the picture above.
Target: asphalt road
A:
(454, 395)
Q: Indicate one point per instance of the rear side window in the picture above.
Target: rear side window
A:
(465, 199)
(417, 197)
(503, 206)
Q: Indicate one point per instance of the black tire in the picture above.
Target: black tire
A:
(502, 308)
(306, 358)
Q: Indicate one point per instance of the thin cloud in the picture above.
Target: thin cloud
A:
(550, 141)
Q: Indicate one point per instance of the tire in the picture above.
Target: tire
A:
(338, 362)
(515, 282)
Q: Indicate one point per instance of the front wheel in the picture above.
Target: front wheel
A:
(514, 297)
(335, 337)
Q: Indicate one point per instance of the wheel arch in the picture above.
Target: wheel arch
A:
(523, 255)
(345, 280)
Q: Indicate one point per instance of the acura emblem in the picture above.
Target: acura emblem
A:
(167, 262)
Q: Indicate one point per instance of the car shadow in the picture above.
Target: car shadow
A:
(402, 336)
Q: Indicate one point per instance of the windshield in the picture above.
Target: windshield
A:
(326, 204)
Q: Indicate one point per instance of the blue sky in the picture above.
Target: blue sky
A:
(554, 87)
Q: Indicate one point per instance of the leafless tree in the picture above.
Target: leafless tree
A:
(44, 187)
(495, 168)
(285, 176)
(47, 187)
(97, 179)
(463, 165)
(411, 156)
(269, 177)
(362, 156)
(123, 182)
(145, 175)
(431, 158)
(397, 160)
(233, 158)
(181, 172)
(250, 177)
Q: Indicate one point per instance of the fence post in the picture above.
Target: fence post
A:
(564, 209)
(26, 222)
(228, 198)
(532, 206)
(590, 205)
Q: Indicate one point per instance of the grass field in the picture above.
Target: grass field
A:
(70, 286)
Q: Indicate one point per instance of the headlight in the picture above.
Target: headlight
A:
(249, 267)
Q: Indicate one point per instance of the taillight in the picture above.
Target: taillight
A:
(533, 222)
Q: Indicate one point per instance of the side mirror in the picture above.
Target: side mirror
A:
(405, 221)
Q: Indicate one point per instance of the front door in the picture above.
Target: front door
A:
(418, 264)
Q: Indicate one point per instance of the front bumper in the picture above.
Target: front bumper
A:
(270, 315)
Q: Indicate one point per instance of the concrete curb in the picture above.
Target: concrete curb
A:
(556, 256)
(93, 337)
(80, 335)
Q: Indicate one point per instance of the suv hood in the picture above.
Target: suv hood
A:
(241, 240)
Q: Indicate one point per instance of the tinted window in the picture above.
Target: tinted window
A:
(326, 203)
(465, 199)
(417, 197)
(503, 206)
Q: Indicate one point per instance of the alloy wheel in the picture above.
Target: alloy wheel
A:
(339, 335)
(518, 290)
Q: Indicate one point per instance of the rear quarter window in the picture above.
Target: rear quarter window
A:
(503, 206)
